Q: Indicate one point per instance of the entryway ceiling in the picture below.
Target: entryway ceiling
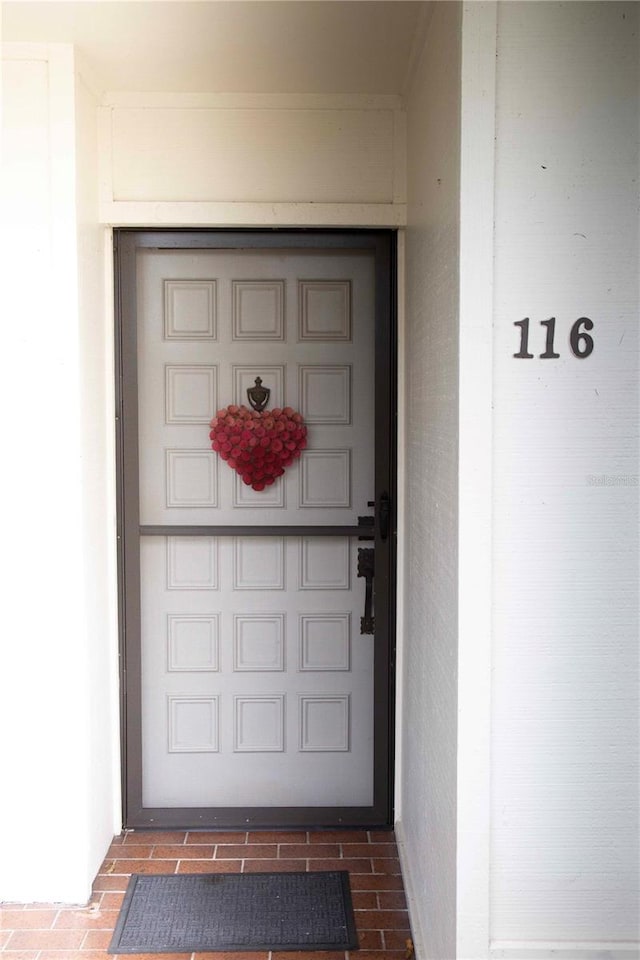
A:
(231, 46)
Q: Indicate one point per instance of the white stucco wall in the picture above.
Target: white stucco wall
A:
(565, 747)
(53, 574)
(427, 826)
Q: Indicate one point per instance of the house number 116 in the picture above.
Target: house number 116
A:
(580, 341)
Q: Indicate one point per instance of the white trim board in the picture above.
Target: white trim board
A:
(252, 101)
(240, 214)
(564, 950)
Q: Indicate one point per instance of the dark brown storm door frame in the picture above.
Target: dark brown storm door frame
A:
(371, 536)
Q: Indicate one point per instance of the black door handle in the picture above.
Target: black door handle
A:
(366, 569)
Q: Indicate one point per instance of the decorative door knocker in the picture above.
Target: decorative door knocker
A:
(258, 396)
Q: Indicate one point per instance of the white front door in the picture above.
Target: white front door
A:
(257, 690)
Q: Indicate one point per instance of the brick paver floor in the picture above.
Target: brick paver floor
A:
(45, 931)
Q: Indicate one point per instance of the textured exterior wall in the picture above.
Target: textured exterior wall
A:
(428, 817)
(565, 852)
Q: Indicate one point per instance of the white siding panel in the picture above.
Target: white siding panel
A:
(565, 848)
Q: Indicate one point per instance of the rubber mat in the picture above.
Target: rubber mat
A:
(168, 913)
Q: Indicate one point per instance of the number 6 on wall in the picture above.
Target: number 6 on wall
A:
(581, 343)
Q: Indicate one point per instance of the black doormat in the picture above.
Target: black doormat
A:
(168, 913)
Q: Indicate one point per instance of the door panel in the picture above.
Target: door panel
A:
(252, 696)
(257, 682)
(209, 323)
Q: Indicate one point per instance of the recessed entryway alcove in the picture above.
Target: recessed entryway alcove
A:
(492, 137)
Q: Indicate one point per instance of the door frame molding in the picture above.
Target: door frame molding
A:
(382, 243)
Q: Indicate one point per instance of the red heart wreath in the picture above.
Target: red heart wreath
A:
(258, 446)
